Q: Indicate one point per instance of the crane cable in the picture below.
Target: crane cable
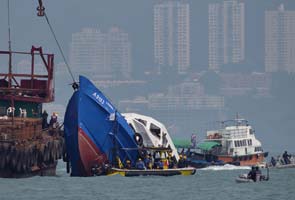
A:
(41, 12)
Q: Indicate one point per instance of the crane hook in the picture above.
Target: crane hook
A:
(40, 9)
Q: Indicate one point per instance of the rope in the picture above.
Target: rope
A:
(59, 47)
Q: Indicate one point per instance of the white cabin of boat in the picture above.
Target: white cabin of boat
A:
(236, 140)
(153, 132)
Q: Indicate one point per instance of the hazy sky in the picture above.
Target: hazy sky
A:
(133, 16)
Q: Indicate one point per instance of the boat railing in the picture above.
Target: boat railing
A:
(236, 133)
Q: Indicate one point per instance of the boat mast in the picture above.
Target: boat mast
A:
(10, 58)
(9, 46)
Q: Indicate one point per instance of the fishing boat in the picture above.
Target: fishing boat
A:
(234, 143)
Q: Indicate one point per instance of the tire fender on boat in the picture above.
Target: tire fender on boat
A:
(138, 138)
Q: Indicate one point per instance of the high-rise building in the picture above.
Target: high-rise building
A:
(226, 26)
(172, 35)
(119, 53)
(280, 40)
(101, 55)
(87, 52)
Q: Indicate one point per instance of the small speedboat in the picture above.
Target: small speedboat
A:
(281, 164)
(243, 178)
(292, 165)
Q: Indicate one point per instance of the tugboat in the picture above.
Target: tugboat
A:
(235, 143)
(28, 146)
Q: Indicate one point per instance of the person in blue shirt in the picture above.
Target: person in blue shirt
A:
(286, 157)
(273, 161)
(140, 164)
(148, 162)
(160, 165)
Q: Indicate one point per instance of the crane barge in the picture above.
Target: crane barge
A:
(28, 145)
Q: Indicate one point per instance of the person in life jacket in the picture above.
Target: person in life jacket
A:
(286, 157)
(128, 164)
(10, 111)
(148, 162)
(44, 119)
(252, 174)
(140, 164)
(273, 161)
(53, 121)
(181, 162)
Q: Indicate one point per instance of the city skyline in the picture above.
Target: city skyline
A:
(226, 40)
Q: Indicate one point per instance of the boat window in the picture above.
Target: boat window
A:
(236, 145)
(250, 142)
(142, 121)
(257, 149)
(251, 131)
(244, 143)
(156, 131)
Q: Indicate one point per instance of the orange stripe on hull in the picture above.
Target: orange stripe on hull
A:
(244, 160)
(89, 153)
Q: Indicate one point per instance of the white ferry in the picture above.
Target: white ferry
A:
(234, 143)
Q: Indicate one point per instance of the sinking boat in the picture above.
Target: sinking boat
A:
(100, 141)
(95, 132)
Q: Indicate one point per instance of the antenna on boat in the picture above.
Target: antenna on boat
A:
(42, 13)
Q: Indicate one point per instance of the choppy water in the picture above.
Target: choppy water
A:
(215, 183)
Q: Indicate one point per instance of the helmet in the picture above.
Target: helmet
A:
(180, 156)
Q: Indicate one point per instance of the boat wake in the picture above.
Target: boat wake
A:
(226, 167)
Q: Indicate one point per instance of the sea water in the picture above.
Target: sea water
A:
(213, 183)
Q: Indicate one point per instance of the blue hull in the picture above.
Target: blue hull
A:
(95, 132)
